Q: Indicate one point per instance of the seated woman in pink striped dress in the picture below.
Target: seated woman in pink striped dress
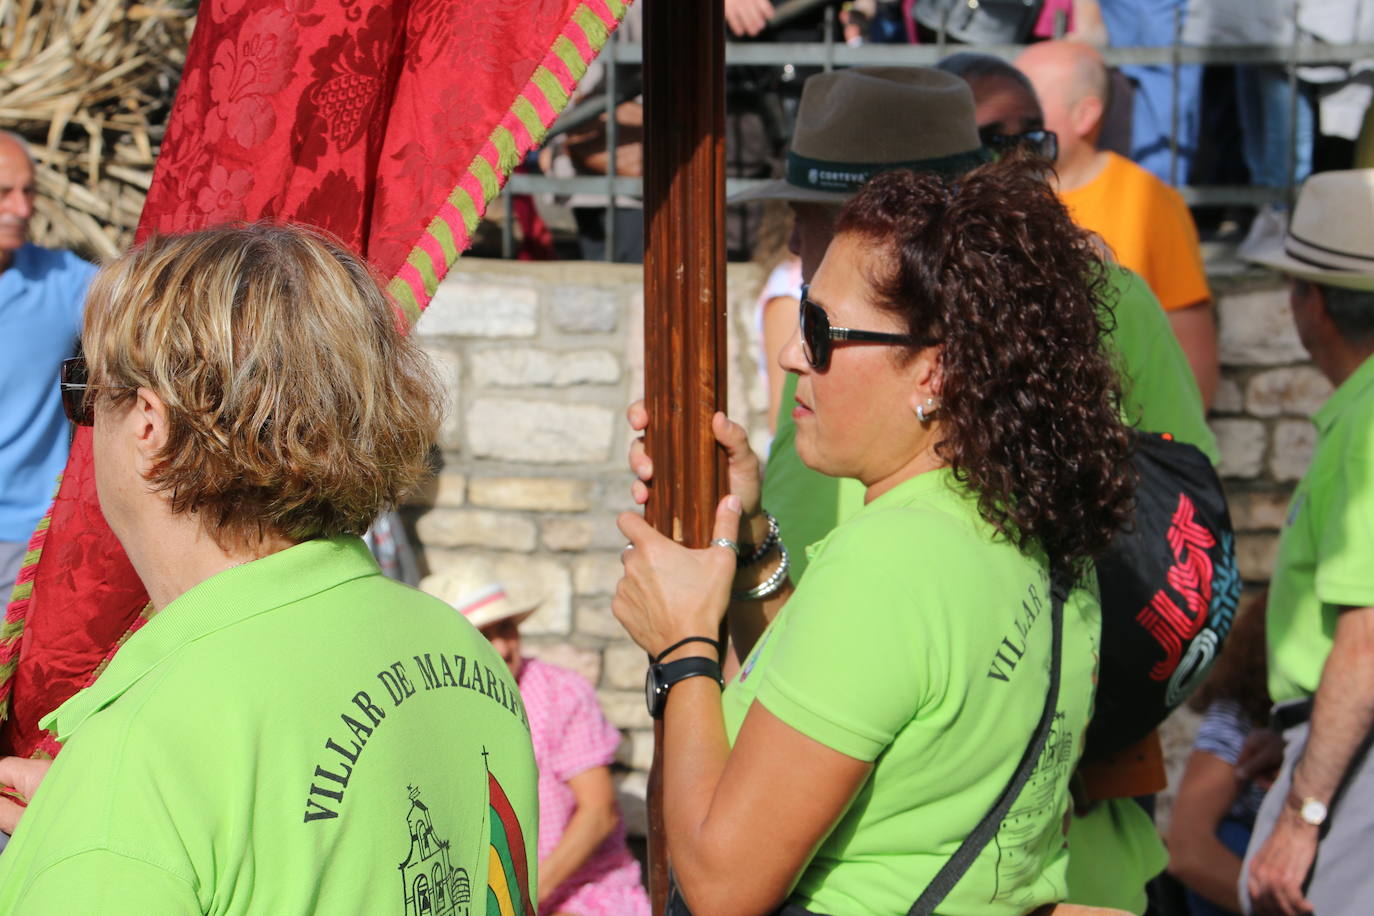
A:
(585, 868)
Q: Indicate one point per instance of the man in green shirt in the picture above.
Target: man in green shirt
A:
(1310, 848)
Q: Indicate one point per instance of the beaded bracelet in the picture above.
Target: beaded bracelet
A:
(770, 586)
(768, 543)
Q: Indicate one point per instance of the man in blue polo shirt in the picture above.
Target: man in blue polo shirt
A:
(41, 293)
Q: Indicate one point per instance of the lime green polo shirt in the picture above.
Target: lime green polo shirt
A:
(1159, 394)
(1326, 551)
(295, 735)
(919, 643)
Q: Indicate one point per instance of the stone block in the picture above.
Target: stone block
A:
(594, 618)
(586, 662)
(624, 666)
(1294, 441)
(541, 432)
(597, 573)
(1256, 329)
(570, 534)
(1259, 510)
(465, 306)
(1242, 447)
(444, 489)
(476, 528)
(519, 367)
(536, 494)
(1229, 398)
(1255, 555)
(585, 532)
(585, 309)
(537, 581)
(625, 708)
(448, 370)
(1290, 391)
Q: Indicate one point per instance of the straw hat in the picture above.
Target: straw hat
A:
(474, 591)
(1330, 238)
(853, 124)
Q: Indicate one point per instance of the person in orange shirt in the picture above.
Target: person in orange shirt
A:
(1141, 219)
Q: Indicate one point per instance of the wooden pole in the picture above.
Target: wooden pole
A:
(684, 295)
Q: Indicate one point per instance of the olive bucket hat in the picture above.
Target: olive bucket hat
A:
(853, 124)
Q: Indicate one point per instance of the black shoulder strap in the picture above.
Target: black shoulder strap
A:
(973, 844)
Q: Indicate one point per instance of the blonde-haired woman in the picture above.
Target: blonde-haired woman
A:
(290, 731)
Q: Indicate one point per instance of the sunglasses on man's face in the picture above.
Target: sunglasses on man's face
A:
(818, 336)
(76, 401)
(1041, 142)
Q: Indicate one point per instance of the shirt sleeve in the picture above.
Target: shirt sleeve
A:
(1177, 274)
(105, 882)
(1222, 732)
(1345, 575)
(851, 666)
(586, 740)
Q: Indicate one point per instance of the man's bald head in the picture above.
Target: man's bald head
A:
(1071, 80)
(16, 195)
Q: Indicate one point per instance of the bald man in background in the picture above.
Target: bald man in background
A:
(1141, 219)
(41, 294)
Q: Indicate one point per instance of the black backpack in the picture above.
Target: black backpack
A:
(1170, 588)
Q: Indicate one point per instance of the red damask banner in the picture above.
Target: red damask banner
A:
(392, 124)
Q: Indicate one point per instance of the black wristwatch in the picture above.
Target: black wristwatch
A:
(663, 675)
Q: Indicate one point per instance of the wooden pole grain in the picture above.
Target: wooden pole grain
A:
(684, 295)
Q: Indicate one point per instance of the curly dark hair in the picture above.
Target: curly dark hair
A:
(1242, 672)
(991, 264)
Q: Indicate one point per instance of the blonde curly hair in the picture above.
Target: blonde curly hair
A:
(296, 404)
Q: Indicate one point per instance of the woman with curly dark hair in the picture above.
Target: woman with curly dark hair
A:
(950, 358)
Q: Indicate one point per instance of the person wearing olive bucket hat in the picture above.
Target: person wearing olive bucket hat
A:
(585, 866)
(1310, 845)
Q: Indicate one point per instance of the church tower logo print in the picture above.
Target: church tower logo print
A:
(432, 886)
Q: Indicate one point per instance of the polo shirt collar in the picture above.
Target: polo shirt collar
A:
(221, 601)
(908, 491)
(1352, 390)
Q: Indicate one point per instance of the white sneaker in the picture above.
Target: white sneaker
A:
(1269, 226)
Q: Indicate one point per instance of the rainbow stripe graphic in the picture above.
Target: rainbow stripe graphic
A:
(508, 872)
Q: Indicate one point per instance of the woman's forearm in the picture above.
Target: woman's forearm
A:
(1210, 869)
(587, 829)
(695, 753)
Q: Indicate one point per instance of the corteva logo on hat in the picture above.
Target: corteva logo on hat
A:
(848, 177)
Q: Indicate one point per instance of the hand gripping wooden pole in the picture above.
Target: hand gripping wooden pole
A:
(684, 295)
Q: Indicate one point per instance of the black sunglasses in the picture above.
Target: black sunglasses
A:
(72, 382)
(1041, 142)
(817, 335)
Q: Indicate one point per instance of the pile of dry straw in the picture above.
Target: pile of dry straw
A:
(89, 83)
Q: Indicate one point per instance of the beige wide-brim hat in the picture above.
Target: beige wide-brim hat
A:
(1330, 238)
(474, 591)
(853, 124)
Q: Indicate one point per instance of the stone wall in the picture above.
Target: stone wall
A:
(540, 359)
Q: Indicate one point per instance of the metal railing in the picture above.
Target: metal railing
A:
(829, 54)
